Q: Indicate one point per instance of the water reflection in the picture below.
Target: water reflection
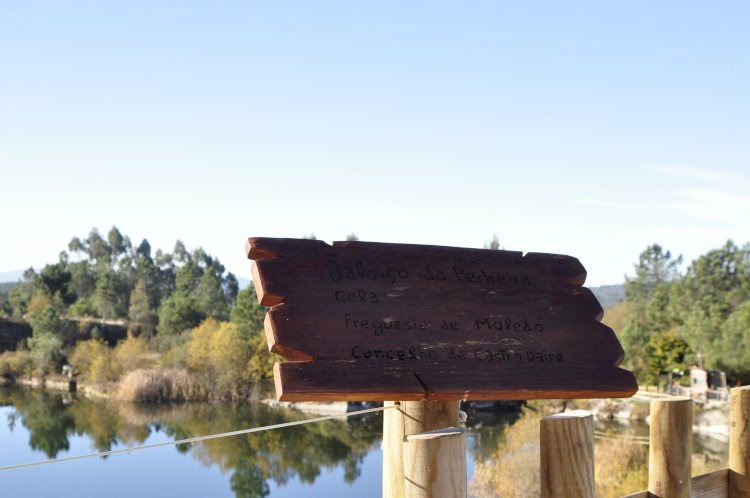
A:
(253, 460)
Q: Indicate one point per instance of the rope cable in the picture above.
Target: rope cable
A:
(194, 439)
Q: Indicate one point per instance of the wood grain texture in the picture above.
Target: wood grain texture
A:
(712, 485)
(324, 381)
(567, 455)
(739, 442)
(670, 448)
(423, 468)
(374, 321)
(394, 482)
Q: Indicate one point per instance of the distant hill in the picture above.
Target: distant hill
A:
(11, 276)
(6, 286)
(609, 296)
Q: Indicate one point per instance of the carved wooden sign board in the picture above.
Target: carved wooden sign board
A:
(363, 321)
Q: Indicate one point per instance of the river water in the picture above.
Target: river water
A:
(333, 458)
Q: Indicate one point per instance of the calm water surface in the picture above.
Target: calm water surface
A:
(334, 458)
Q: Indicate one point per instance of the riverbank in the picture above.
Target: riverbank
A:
(711, 420)
(57, 383)
(156, 385)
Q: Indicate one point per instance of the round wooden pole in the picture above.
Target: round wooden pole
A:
(419, 465)
(671, 447)
(567, 455)
(393, 453)
(739, 442)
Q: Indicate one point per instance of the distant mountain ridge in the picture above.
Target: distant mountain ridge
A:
(11, 276)
(609, 296)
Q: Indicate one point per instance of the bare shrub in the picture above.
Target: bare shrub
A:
(132, 353)
(16, 363)
(84, 354)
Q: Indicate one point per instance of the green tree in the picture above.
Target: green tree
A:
(180, 252)
(665, 352)
(118, 245)
(97, 249)
(108, 296)
(703, 335)
(735, 343)
(177, 314)
(45, 343)
(719, 281)
(655, 266)
(633, 337)
(232, 288)
(210, 299)
(658, 311)
(159, 279)
(188, 276)
(54, 281)
(248, 314)
(494, 244)
(82, 279)
(141, 318)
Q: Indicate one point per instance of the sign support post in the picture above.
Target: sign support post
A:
(424, 451)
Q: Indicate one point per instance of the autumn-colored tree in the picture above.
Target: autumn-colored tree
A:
(218, 356)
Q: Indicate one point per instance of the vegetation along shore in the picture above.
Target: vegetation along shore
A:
(135, 324)
(157, 326)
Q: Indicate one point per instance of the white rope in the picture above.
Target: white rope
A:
(195, 439)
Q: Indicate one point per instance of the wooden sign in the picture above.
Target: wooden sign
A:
(364, 321)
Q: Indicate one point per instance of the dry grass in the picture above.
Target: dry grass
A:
(621, 465)
(514, 471)
(156, 386)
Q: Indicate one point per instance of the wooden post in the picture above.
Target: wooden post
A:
(393, 453)
(739, 442)
(418, 463)
(671, 448)
(567, 455)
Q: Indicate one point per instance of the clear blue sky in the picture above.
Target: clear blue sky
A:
(584, 128)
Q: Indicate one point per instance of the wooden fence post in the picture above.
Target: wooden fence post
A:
(671, 448)
(739, 442)
(393, 453)
(567, 455)
(418, 463)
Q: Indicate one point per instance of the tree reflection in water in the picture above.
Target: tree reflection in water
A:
(299, 452)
